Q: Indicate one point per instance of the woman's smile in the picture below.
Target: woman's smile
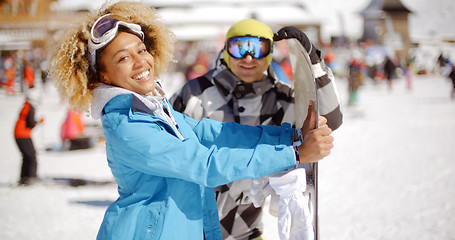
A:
(128, 64)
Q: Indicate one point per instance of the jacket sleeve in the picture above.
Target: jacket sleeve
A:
(212, 153)
(187, 100)
(328, 97)
(179, 98)
(30, 120)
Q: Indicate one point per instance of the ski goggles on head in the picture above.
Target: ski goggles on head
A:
(104, 30)
(257, 47)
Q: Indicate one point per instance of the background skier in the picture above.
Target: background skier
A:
(22, 133)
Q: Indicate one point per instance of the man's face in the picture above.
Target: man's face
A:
(248, 69)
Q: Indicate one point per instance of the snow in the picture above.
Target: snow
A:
(390, 175)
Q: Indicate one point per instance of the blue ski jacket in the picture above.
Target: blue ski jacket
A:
(165, 182)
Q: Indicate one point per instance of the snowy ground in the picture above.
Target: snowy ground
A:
(390, 175)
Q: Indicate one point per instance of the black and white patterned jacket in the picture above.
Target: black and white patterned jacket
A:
(221, 96)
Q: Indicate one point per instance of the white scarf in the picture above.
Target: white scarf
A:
(104, 93)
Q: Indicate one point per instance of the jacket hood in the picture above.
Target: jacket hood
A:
(104, 93)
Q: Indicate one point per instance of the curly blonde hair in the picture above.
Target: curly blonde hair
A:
(69, 62)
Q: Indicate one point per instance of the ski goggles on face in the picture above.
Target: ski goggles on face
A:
(257, 47)
(104, 30)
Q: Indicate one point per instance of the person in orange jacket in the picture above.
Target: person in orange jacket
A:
(10, 74)
(22, 134)
(29, 75)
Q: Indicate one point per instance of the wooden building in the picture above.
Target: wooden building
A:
(30, 24)
(386, 23)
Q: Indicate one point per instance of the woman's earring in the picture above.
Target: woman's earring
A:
(104, 80)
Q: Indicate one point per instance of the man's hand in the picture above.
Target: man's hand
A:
(294, 32)
(317, 143)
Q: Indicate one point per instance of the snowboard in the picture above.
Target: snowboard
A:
(304, 92)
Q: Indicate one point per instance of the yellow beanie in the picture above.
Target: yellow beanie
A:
(249, 27)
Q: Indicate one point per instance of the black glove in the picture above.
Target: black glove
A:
(293, 32)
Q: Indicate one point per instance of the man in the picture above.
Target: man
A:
(22, 133)
(239, 90)
(389, 70)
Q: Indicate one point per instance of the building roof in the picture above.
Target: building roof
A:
(377, 6)
(394, 6)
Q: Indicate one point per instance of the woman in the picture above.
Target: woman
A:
(165, 163)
